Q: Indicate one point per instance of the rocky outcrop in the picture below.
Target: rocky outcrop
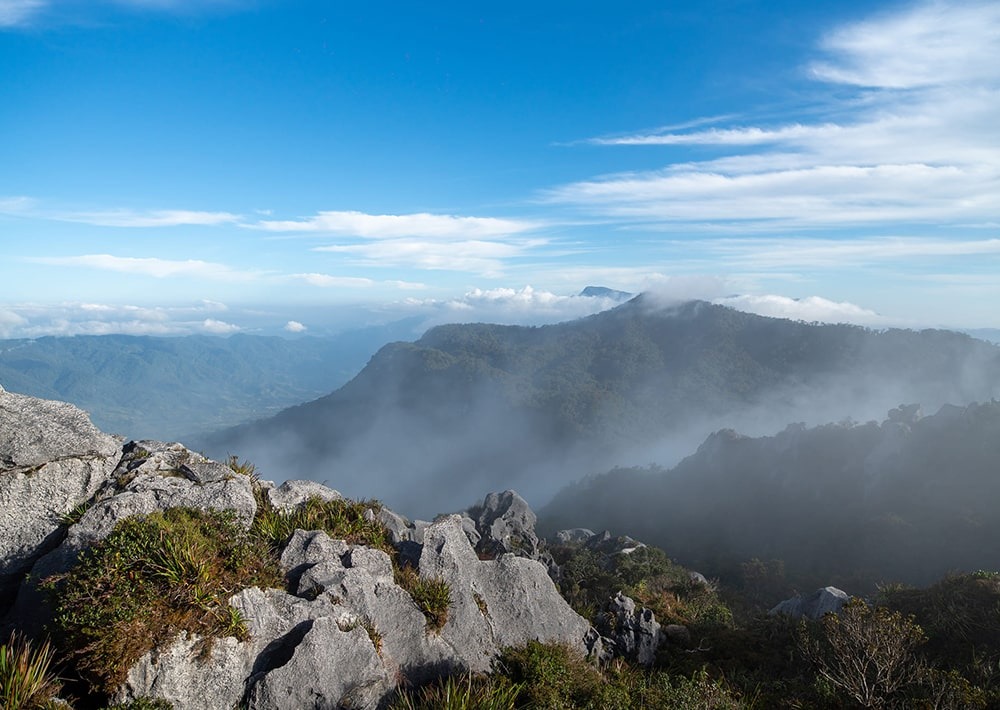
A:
(505, 523)
(149, 476)
(827, 600)
(52, 460)
(635, 633)
(348, 634)
(343, 633)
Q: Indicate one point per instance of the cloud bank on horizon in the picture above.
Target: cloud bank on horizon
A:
(861, 183)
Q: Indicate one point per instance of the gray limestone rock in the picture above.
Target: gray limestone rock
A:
(495, 603)
(148, 478)
(574, 535)
(823, 601)
(292, 494)
(635, 632)
(52, 460)
(505, 523)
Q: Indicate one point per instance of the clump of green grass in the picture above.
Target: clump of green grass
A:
(151, 578)
(464, 692)
(341, 519)
(432, 596)
(73, 516)
(26, 678)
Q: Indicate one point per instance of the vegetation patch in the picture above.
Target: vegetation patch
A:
(342, 519)
(464, 692)
(151, 578)
(26, 677)
(432, 596)
(647, 575)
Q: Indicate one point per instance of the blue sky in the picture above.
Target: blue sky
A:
(172, 166)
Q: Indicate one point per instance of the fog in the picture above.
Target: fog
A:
(429, 428)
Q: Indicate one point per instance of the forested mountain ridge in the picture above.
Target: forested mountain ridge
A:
(908, 499)
(470, 405)
(187, 384)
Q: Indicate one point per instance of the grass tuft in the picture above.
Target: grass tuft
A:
(26, 678)
(465, 692)
(432, 596)
(341, 519)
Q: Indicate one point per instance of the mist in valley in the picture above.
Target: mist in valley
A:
(431, 427)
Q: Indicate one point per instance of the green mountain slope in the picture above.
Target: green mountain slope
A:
(169, 387)
(474, 407)
(908, 499)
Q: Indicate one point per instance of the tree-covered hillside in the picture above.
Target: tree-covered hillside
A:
(908, 499)
(171, 387)
(474, 406)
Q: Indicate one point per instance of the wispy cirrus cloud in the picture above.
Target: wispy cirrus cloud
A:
(915, 140)
(800, 253)
(153, 218)
(487, 258)
(394, 226)
(421, 240)
(28, 13)
(149, 266)
(24, 206)
(17, 13)
(328, 281)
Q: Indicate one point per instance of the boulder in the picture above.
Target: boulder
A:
(291, 494)
(52, 460)
(827, 600)
(634, 632)
(505, 523)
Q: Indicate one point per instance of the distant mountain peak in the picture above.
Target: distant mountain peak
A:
(605, 292)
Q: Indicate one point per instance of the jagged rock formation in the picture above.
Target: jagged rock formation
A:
(635, 632)
(343, 631)
(828, 600)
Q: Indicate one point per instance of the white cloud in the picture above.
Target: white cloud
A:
(73, 318)
(802, 253)
(810, 309)
(16, 204)
(327, 281)
(293, 326)
(149, 266)
(477, 256)
(218, 327)
(10, 322)
(918, 142)
(391, 226)
(524, 305)
(154, 218)
(14, 13)
(930, 44)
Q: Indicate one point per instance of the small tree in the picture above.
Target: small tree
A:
(864, 652)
